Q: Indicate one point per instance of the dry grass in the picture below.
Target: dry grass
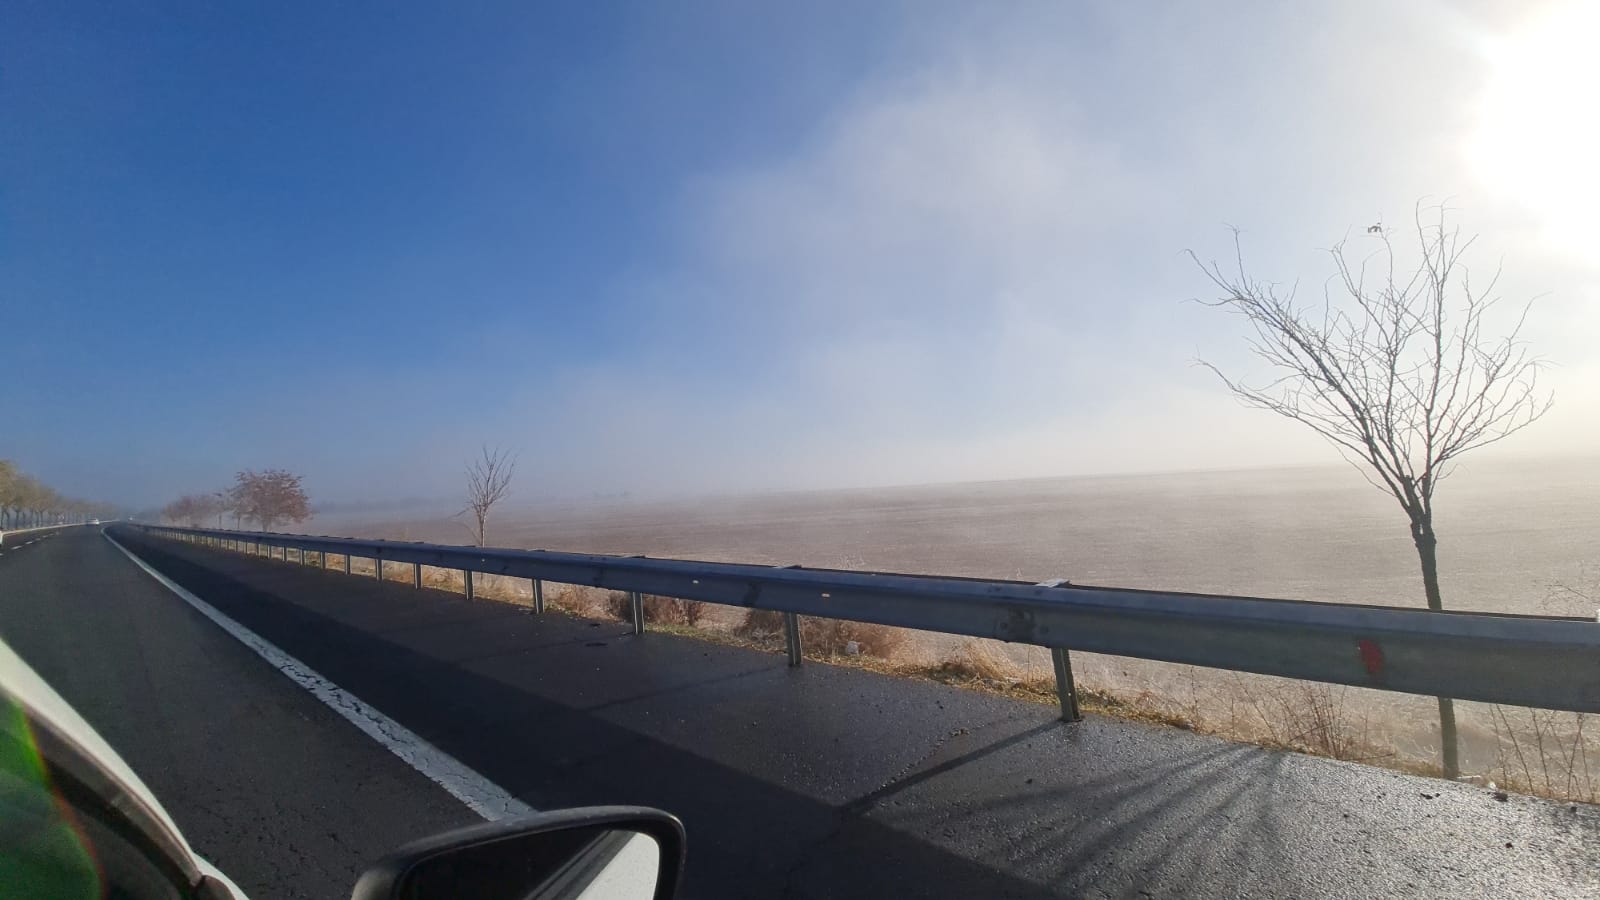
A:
(579, 600)
(1294, 715)
(982, 665)
(657, 610)
(828, 637)
(1545, 752)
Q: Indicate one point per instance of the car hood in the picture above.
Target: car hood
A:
(27, 689)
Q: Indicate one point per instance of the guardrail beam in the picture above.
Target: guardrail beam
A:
(1537, 661)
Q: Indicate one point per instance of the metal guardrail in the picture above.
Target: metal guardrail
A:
(1538, 661)
(11, 533)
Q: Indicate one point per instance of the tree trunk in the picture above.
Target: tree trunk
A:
(1427, 547)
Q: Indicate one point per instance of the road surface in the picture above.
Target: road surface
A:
(817, 782)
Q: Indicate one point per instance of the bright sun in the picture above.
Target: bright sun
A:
(1538, 136)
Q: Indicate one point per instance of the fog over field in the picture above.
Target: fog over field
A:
(1512, 532)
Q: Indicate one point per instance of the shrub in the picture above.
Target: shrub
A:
(760, 623)
(979, 661)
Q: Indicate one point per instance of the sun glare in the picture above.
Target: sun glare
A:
(1537, 140)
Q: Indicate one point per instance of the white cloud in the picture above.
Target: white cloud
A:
(972, 270)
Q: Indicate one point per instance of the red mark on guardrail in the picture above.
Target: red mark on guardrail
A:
(1371, 656)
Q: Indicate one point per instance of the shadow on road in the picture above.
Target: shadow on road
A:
(1019, 807)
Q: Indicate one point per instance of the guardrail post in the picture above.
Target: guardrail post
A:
(636, 607)
(377, 567)
(1066, 691)
(466, 576)
(791, 637)
(538, 596)
(347, 564)
(416, 575)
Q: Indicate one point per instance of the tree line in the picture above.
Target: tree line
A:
(266, 499)
(26, 502)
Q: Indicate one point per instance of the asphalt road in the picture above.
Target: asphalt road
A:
(817, 782)
(265, 781)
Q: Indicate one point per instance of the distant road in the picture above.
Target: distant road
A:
(817, 782)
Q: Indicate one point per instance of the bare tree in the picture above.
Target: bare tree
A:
(269, 497)
(1398, 375)
(488, 482)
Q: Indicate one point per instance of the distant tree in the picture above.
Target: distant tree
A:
(25, 501)
(233, 501)
(193, 510)
(180, 511)
(34, 499)
(270, 497)
(488, 482)
(8, 493)
(1399, 376)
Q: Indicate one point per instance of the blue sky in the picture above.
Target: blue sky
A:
(724, 246)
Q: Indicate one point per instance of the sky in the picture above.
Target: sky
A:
(726, 246)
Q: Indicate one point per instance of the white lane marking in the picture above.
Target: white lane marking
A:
(481, 795)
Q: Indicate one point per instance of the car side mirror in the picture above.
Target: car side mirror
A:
(595, 853)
